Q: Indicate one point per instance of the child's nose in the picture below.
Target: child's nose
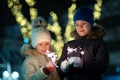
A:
(44, 48)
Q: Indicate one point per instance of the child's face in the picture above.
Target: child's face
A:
(83, 28)
(43, 47)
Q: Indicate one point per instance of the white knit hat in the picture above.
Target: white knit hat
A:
(39, 32)
(38, 35)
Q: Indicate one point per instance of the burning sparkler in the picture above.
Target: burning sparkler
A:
(52, 56)
(71, 50)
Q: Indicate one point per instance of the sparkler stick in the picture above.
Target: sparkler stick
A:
(52, 56)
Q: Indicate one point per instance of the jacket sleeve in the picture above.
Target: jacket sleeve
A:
(30, 73)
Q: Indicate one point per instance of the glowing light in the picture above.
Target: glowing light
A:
(33, 13)
(19, 19)
(54, 16)
(6, 74)
(24, 30)
(56, 28)
(15, 75)
(29, 27)
(26, 40)
(70, 50)
(15, 7)
(52, 56)
(97, 11)
(10, 3)
(69, 27)
(30, 2)
(23, 22)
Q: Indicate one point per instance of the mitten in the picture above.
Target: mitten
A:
(49, 68)
(64, 66)
(77, 62)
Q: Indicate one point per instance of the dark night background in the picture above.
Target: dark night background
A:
(11, 39)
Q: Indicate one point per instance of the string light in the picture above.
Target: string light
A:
(16, 7)
(97, 9)
(69, 27)
(56, 28)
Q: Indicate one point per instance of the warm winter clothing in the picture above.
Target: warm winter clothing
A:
(84, 13)
(86, 57)
(37, 65)
(39, 34)
(32, 68)
(95, 59)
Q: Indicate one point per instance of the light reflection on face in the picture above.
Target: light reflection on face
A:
(42, 47)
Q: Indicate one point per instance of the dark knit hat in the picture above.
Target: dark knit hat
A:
(84, 13)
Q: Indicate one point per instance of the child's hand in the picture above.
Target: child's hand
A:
(77, 62)
(64, 66)
(50, 66)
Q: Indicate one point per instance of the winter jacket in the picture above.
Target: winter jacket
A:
(95, 59)
(32, 68)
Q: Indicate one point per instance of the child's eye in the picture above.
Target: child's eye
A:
(40, 44)
(47, 43)
(83, 23)
(76, 25)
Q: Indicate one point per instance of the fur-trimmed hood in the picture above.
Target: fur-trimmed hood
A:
(34, 63)
(27, 50)
(98, 31)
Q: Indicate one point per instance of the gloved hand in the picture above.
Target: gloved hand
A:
(77, 62)
(49, 68)
(64, 66)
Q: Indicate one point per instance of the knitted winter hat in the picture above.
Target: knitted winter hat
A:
(84, 13)
(39, 22)
(39, 33)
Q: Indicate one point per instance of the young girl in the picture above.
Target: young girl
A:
(37, 65)
(86, 57)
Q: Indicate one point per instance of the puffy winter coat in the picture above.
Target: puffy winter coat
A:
(95, 59)
(33, 65)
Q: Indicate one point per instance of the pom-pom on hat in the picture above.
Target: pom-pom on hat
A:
(39, 22)
(84, 13)
(39, 33)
